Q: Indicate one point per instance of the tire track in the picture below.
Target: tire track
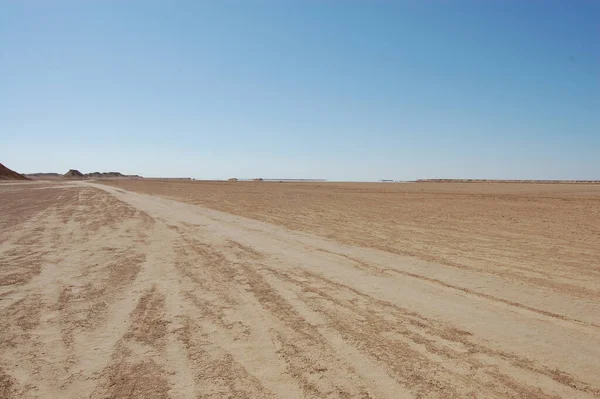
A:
(381, 271)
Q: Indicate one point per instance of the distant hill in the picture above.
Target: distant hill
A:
(8, 174)
(73, 174)
(43, 175)
(104, 174)
(110, 175)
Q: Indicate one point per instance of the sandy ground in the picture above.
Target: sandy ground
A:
(339, 291)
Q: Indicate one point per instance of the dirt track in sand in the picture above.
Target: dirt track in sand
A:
(109, 293)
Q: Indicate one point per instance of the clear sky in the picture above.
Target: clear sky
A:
(343, 90)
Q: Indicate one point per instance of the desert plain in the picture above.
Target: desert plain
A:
(181, 289)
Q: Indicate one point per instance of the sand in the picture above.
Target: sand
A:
(299, 290)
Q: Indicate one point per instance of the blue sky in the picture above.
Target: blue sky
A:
(343, 90)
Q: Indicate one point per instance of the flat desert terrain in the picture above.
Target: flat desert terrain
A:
(159, 289)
